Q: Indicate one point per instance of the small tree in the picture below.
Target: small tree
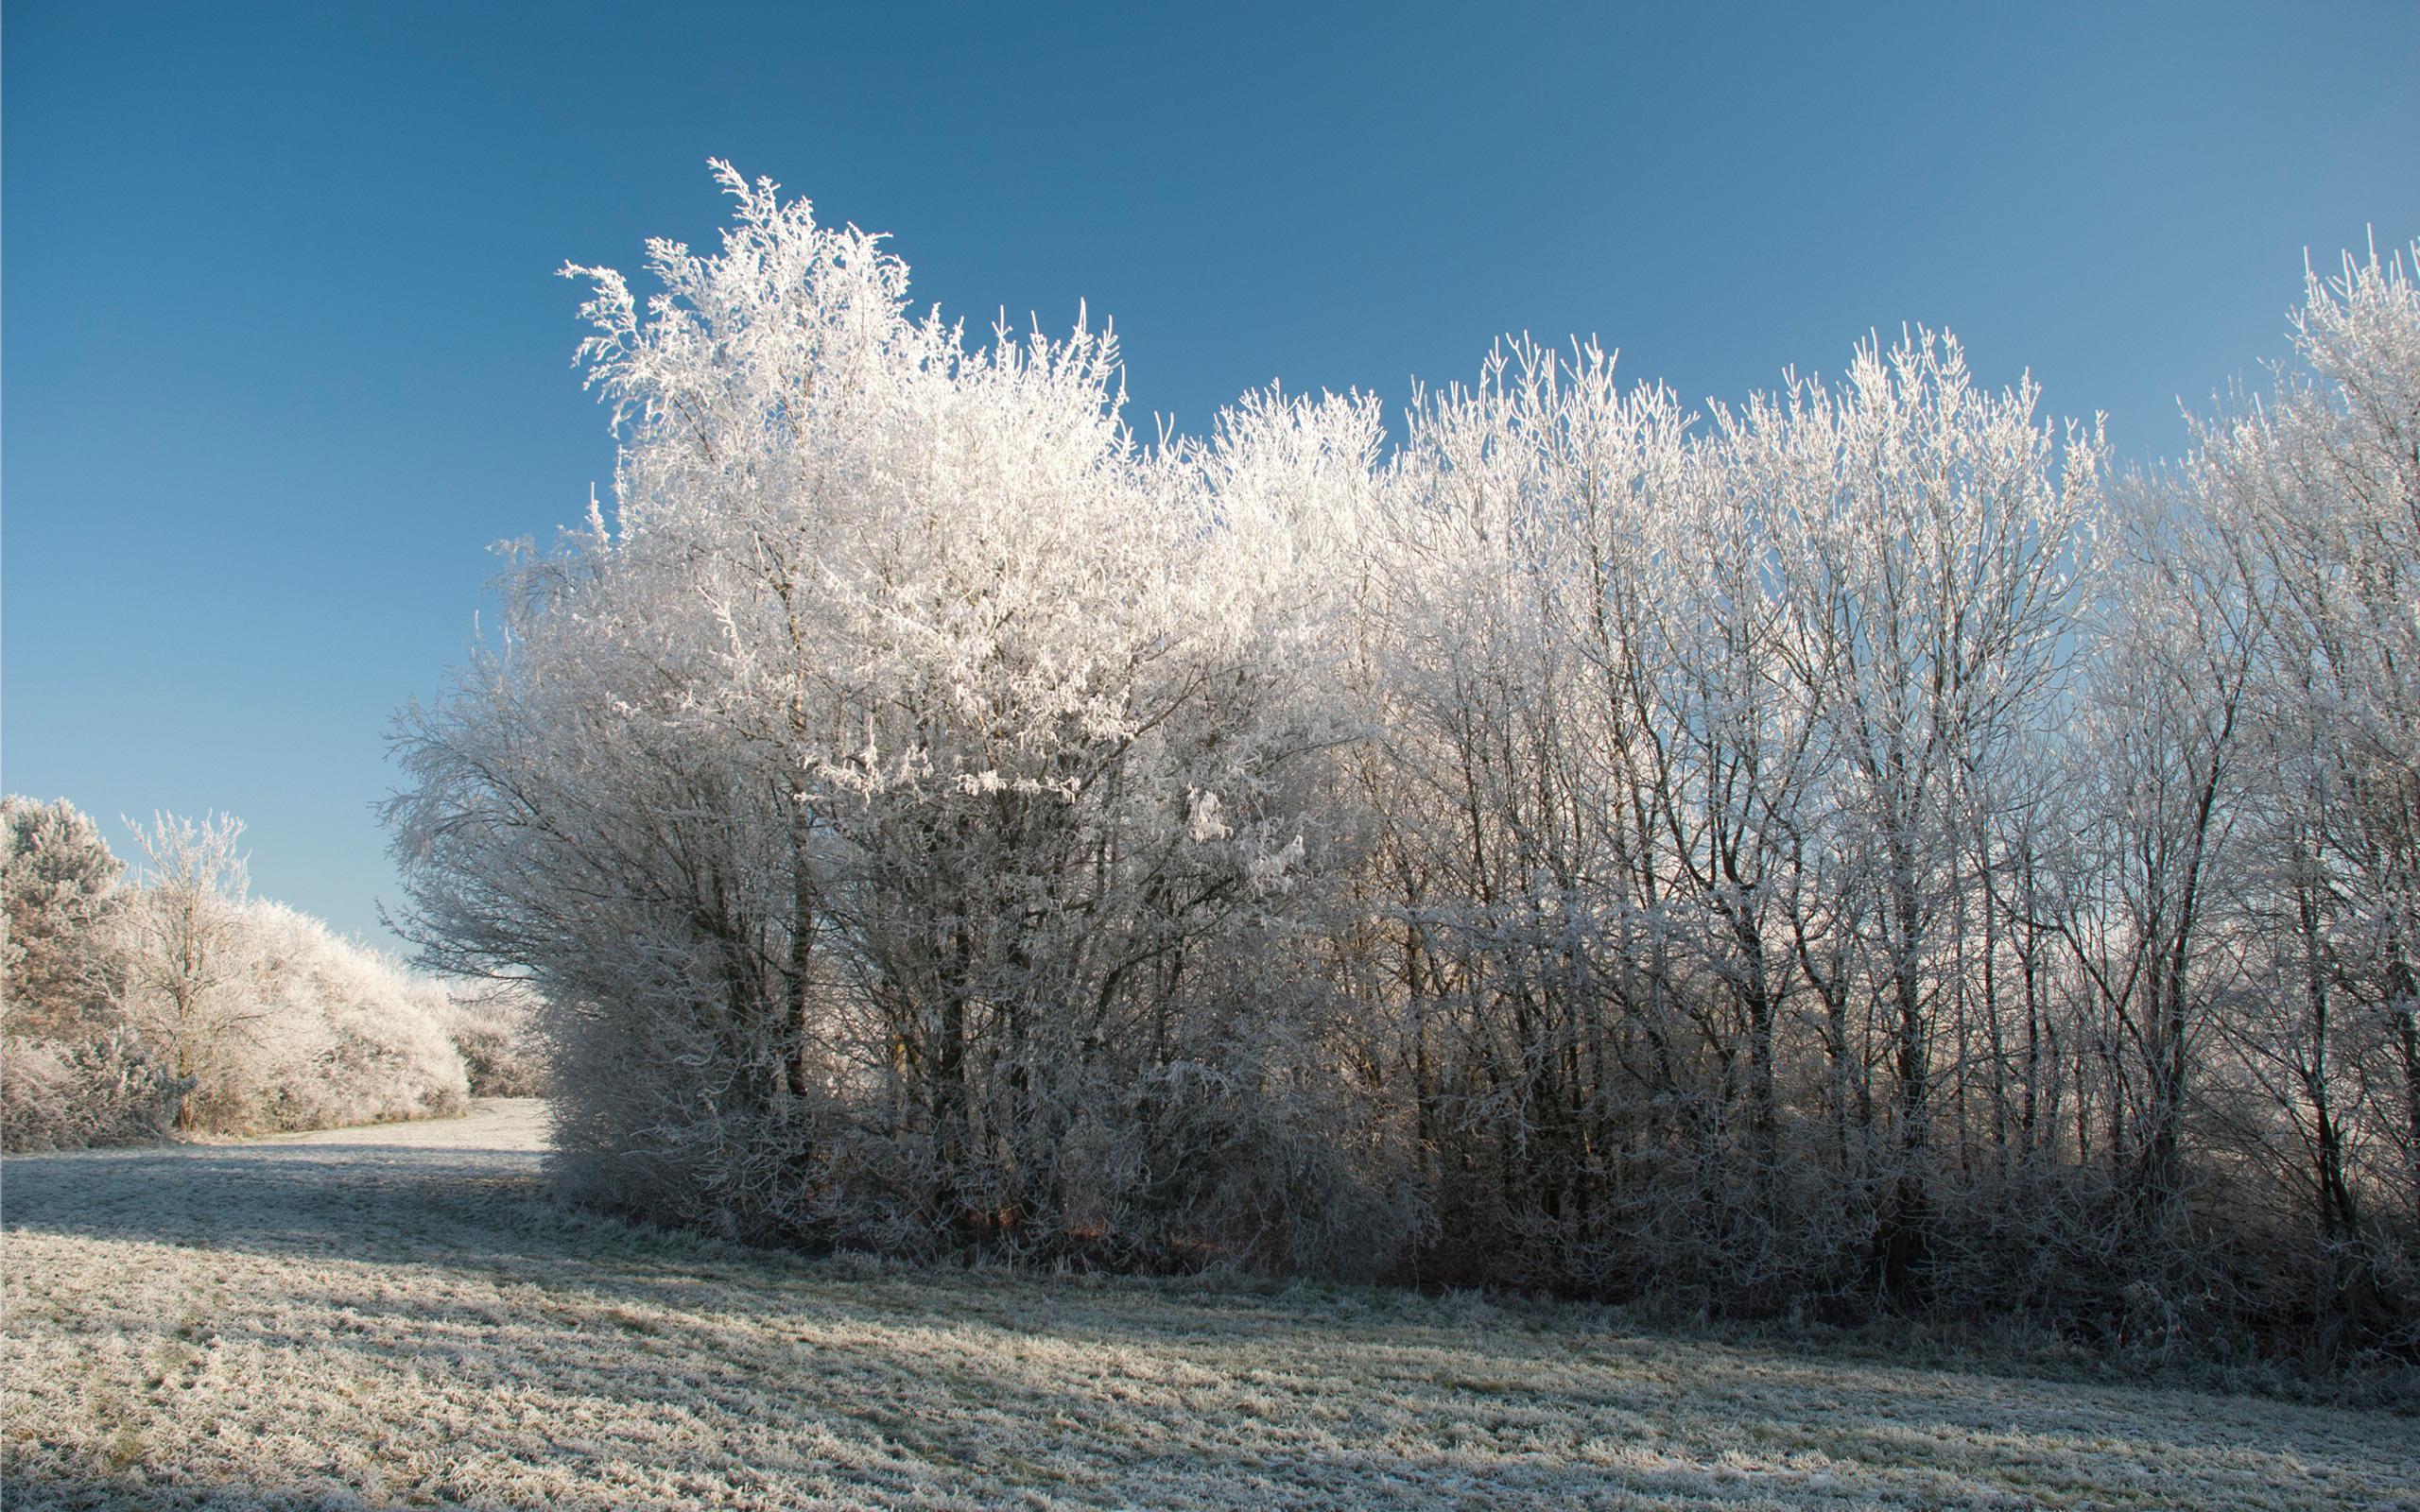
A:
(183, 943)
(61, 887)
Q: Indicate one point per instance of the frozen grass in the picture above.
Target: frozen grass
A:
(391, 1316)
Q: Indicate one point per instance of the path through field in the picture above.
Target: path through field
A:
(394, 1317)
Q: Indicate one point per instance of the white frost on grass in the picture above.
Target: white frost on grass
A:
(394, 1315)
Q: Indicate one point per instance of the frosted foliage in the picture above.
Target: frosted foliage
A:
(268, 1020)
(495, 1028)
(71, 1073)
(60, 885)
(2326, 481)
(879, 737)
(1678, 737)
(1846, 853)
(338, 1035)
(194, 1007)
(181, 945)
(69, 1095)
(2317, 494)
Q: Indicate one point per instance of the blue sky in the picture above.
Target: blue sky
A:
(284, 353)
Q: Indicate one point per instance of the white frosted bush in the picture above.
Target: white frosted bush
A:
(493, 1027)
(67, 1094)
(881, 801)
(59, 889)
(178, 1001)
(336, 1035)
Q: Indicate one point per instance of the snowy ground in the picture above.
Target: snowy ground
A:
(386, 1316)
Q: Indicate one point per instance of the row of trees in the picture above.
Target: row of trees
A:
(172, 1000)
(1849, 852)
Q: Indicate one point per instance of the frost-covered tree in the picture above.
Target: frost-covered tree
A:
(495, 1028)
(1784, 861)
(1518, 785)
(336, 1034)
(60, 886)
(2322, 483)
(878, 794)
(1689, 742)
(2165, 777)
(222, 1014)
(181, 945)
(1925, 537)
(72, 1093)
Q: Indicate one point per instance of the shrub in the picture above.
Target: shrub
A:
(66, 1094)
(494, 1030)
(60, 885)
(331, 1033)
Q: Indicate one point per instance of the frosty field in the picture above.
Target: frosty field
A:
(390, 1316)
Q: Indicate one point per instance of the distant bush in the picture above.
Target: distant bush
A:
(179, 1003)
(331, 1033)
(494, 1029)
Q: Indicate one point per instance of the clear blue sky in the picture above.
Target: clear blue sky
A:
(284, 353)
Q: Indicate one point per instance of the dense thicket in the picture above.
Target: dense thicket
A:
(172, 1001)
(1849, 852)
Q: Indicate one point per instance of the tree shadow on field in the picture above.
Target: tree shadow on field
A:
(440, 1275)
(364, 1201)
(75, 1494)
(657, 1346)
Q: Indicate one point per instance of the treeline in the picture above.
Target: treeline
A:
(1850, 853)
(171, 1001)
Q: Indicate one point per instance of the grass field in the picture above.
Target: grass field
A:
(393, 1316)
